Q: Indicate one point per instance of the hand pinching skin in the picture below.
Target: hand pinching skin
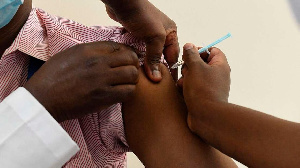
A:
(158, 31)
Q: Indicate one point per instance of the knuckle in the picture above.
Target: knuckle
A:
(155, 59)
(132, 57)
(91, 62)
(87, 53)
(135, 58)
(113, 46)
(133, 73)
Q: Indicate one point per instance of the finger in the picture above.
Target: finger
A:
(179, 85)
(174, 73)
(217, 57)
(204, 55)
(171, 52)
(191, 56)
(124, 75)
(180, 82)
(125, 57)
(183, 70)
(154, 51)
(165, 72)
(111, 13)
(122, 93)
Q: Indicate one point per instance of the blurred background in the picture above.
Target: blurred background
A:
(263, 52)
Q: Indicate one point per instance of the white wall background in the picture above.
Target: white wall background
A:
(263, 52)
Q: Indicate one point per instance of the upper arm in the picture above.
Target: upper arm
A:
(157, 131)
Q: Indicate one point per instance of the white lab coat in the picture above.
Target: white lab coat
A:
(29, 136)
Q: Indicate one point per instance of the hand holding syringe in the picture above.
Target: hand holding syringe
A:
(202, 50)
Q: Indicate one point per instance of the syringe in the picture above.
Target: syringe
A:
(202, 50)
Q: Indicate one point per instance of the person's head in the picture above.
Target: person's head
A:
(13, 16)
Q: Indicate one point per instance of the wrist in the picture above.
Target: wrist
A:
(203, 108)
(38, 95)
(195, 102)
(203, 115)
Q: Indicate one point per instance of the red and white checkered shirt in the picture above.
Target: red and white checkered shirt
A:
(100, 136)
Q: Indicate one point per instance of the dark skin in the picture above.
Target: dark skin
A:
(157, 131)
(73, 82)
(251, 137)
(91, 77)
(143, 11)
(149, 24)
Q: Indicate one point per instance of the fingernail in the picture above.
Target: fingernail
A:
(188, 46)
(155, 71)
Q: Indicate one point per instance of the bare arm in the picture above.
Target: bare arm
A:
(251, 137)
(157, 132)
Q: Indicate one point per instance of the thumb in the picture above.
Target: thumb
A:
(154, 49)
(191, 55)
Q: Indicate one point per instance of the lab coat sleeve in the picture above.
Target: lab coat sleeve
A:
(29, 136)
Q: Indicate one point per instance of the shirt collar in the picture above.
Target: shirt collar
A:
(30, 37)
(44, 35)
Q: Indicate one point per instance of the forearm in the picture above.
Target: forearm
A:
(255, 139)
